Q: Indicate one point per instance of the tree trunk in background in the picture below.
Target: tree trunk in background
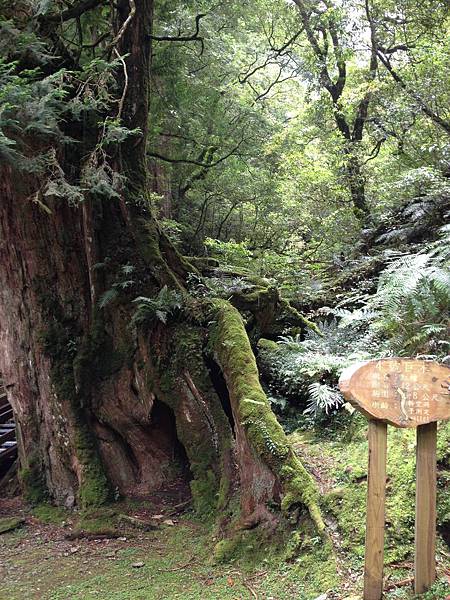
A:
(357, 186)
(104, 405)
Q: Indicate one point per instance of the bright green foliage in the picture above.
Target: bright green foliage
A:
(280, 204)
(410, 311)
(413, 306)
(306, 370)
(408, 315)
(261, 128)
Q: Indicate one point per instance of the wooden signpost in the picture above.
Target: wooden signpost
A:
(403, 393)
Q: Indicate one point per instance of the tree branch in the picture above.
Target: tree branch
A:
(363, 108)
(443, 123)
(197, 163)
(194, 37)
(75, 11)
(125, 24)
(271, 59)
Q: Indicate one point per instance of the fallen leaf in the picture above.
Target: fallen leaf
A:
(168, 522)
(137, 565)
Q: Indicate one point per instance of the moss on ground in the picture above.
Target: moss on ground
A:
(10, 523)
(186, 562)
(343, 467)
(46, 513)
(176, 564)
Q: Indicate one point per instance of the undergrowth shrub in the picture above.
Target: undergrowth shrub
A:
(409, 315)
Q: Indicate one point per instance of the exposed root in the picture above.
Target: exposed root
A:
(93, 535)
(231, 348)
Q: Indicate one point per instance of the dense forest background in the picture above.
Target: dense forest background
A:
(208, 210)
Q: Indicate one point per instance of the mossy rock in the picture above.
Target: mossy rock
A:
(203, 263)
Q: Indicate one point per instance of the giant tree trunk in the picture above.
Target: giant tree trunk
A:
(101, 404)
(104, 404)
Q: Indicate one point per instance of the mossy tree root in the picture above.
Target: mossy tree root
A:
(272, 312)
(251, 410)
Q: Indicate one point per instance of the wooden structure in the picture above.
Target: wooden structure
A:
(404, 393)
(8, 443)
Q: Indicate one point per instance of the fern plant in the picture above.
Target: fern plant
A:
(166, 303)
(121, 285)
(306, 370)
(322, 398)
(412, 306)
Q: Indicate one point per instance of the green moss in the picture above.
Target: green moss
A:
(32, 479)
(10, 523)
(250, 546)
(316, 564)
(294, 545)
(207, 445)
(347, 502)
(225, 549)
(97, 358)
(443, 444)
(99, 521)
(231, 347)
(313, 560)
(203, 262)
(269, 345)
(160, 255)
(298, 316)
(94, 488)
(75, 369)
(49, 514)
(224, 492)
(204, 489)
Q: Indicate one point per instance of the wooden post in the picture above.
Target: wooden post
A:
(406, 393)
(425, 546)
(376, 493)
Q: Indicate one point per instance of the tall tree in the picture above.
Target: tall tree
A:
(119, 378)
(324, 28)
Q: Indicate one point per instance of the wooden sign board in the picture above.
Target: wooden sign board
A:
(402, 392)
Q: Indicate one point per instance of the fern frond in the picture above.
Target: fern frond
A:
(108, 297)
(322, 398)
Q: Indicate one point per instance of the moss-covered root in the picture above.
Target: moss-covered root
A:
(251, 408)
(306, 322)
